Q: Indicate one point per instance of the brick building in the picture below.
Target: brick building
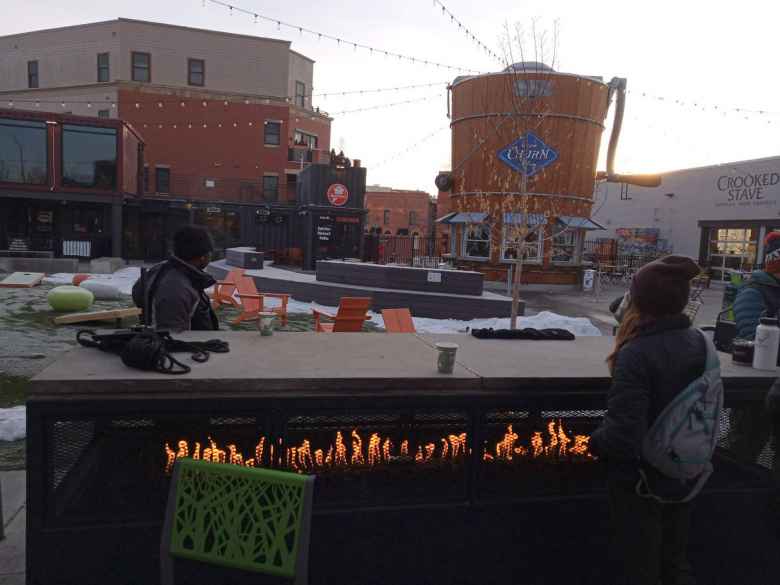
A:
(398, 212)
(227, 119)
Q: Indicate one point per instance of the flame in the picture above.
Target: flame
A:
(302, 458)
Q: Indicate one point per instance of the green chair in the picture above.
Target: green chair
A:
(238, 517)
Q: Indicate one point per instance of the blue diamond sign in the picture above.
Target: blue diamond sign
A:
(528, 154)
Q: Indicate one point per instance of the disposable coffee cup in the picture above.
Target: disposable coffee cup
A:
(446, 360)
(265, 324)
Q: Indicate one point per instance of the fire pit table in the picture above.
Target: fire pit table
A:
(475, 477)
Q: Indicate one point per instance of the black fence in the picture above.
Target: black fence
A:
(477, 490)
(423, 251)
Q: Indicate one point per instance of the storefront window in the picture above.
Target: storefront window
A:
(23, 157)
(732, 250)
(89, 157)
(476, 240)
(87, 221)
(224, 226)
(566, 246)
(513, 243)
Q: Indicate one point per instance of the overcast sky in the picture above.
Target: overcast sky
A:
(713, 54)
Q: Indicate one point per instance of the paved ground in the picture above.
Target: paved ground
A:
(12, 547)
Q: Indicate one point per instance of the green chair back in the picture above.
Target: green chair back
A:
(240, 517)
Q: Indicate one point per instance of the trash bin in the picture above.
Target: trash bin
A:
(588, 278)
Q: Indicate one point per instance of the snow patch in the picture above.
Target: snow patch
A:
(122, 279)
(13, 423)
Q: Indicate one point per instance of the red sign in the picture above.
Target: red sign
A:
(338, 194)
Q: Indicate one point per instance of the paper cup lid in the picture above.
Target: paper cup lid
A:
(446, 345)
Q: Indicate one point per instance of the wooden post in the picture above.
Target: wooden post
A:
(517, 273)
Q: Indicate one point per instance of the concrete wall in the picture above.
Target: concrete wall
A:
(234, 63)
(746, 191)
(301, 69)
(66, 56)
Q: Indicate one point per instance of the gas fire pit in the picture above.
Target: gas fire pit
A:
(479, 475)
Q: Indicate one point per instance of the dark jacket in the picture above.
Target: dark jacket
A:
(649, 372)
(773, 402)
(751, 302)
(178, 300)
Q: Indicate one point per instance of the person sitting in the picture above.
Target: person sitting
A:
(175, 288)
(761, 296)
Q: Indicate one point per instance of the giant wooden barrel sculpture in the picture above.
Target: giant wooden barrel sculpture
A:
(527, 130)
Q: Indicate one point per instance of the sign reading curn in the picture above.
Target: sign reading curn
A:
(528, 154)
(338, 194)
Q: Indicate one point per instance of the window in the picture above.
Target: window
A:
(386, 217)
(142, 67)
(300, 94)
(103, 70)
(732, 250)
(514, 243)
(624, 193)
(89, 157)
(273, 133)
(146, 179)
(566, 244)
(32, 73)
(412, 218)
(103, 114)
(533, 88)
(476, 240)
(304, 139)
(271, 188)
(23, 152)
(196, 72)
(87, 220)
(162, 179)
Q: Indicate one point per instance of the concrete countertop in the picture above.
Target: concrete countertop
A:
(351, 363)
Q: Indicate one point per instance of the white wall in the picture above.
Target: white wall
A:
(741, 191)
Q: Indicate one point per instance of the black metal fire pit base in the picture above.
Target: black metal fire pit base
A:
(539, 542)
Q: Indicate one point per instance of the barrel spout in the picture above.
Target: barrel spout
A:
(617, 87)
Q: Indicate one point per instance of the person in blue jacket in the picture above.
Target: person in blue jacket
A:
(761, 296)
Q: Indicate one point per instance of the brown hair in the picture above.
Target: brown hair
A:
(632, 323)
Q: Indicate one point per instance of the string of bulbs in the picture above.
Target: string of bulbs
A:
(403, 152)
(338, 40)
(453, 19)
(747, 112)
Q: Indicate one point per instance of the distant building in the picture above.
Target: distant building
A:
(399, 212)
(227, 119)
(718, 214)
(68, 184)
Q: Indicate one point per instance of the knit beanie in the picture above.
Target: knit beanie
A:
(192, 242)
(772, 253)
(662, 287)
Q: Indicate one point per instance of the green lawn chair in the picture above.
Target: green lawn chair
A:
(239, 517)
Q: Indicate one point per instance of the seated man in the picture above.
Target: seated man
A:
(761, 296)
(175, 288)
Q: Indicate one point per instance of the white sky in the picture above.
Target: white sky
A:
(715, 53)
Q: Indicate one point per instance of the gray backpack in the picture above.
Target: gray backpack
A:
(681, 441)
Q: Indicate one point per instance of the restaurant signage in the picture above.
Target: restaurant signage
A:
(338, 194)
(528, 154)
(746, 189)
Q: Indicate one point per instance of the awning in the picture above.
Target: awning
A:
(466, 217)
(519, 219)
(447, 218)
(582, 223)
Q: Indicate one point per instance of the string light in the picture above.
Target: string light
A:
(339, 40)
(400, 153)
(465, 29)
(380, 106)
(702, 107)
(378, 89)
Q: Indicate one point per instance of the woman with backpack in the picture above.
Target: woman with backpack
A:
(657, 356)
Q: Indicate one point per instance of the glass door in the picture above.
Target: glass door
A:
(732, 251)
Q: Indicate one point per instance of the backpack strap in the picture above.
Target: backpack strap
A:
(713, 361)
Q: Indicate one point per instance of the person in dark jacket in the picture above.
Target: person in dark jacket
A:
(175, 288)
(761, 296)
(657, 354)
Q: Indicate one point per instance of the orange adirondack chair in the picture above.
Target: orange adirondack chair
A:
(349, 318)
(224, 290)
(252, 302)
(398, 321)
